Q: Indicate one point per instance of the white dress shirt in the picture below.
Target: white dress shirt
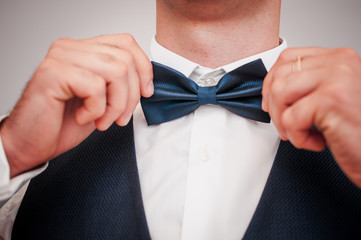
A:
(201, 175)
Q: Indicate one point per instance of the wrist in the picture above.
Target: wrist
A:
(11, 152)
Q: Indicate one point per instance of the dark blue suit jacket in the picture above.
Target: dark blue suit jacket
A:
(93, 192)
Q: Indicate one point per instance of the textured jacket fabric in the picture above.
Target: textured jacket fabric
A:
(93, 192)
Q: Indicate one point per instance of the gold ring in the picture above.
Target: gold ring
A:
(297, 64)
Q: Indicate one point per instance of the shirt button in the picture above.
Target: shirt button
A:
(204, 154)
(209, 82)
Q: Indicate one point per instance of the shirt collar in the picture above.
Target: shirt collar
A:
(166, 57)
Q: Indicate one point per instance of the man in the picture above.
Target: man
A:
(202, 176)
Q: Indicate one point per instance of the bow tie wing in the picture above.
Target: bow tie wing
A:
(174, 96)
(240, 91)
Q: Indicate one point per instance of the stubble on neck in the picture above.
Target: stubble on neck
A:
(215, 33)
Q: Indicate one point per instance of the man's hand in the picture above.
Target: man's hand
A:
(319, 105)
(81, 85)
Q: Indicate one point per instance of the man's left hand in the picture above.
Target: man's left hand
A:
(316, 102)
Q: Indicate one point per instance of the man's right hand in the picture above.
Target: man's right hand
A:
(81, 85)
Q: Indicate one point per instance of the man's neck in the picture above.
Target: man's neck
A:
(214, 37)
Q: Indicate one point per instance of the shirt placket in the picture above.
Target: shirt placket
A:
(204, 156)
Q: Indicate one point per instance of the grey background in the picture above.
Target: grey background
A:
(28, 27)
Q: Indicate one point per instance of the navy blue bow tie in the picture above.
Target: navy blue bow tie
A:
(175, 95)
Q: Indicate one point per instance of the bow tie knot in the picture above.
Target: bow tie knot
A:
(207, 95)
(175, 95)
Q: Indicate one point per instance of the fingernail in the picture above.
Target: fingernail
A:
(150, 88)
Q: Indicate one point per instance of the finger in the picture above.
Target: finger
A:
(70, 83)
(298, 121)
(284, 65)
(123, 96)
(108, 67)
(105, 52)
(292, 53)
(285, 91)
(142, 62)
(290, 89)
(117, 95)
(277, 72)
(267, 82)
(133, 98)
(313, 58)
(113, 72)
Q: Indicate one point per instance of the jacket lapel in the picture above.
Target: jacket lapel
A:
(307, 196)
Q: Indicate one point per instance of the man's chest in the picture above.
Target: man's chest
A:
(201, 171)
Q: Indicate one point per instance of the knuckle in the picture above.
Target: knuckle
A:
(118, 58)
(108, 58)
(121, 67)
(333, 100)
(286, 54)
(118, 108)
(344, 69)
(118, 71)
(277, 88)
(341, 97)
(127, 58)
(349, 52)
(121, 71)
(54, 45)
(287, 120)
(59, 43)
(48, 73)
(46, 66)
(128, 39)
(279, 71)
(98, 87)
